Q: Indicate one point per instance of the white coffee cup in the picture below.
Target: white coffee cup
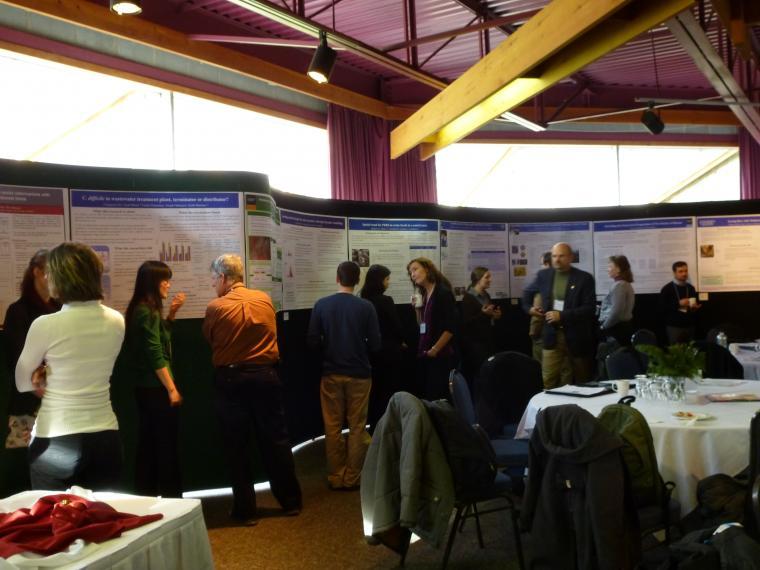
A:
(621, 387)
(417, 299)
(692, 301)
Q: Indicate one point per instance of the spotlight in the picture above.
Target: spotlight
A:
(126, 7)
(322, 63)
(652, 120)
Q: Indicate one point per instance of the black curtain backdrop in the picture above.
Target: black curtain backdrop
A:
(201, 457)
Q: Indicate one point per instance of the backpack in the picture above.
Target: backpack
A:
(470, 455)
(638, 451)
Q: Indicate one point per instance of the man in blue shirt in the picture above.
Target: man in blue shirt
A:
(345, 327)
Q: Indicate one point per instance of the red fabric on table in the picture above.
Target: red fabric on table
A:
(55, 521)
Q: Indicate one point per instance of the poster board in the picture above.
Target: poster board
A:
(263, 246)
(728, 253)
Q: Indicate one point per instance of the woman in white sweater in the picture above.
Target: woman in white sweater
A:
(616, 315)
(67, 359)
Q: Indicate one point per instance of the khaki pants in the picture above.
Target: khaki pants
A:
(559, 367)
(345, 398)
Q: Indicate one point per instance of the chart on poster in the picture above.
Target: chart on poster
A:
(186, 230)
(651, 246)
(31, 219)
(528, 242)
(727, 247)
(393, 243)
(467, 245)
(263, 246)
(312, 248)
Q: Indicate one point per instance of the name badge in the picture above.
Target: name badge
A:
(423, 328)
(558, 305)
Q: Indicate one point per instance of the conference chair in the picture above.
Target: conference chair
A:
(510, 453)
(624, 363)
(506, 383)
(719, 362)
(752, 516)
(644, 336)
(734, 333)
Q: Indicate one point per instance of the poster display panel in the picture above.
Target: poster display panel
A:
(263, 246)
(393, 243)
(728, 259)
(186, 230)
(528, 242)
(466, 245)
(313, 246)
(31, 218)
(651, 246)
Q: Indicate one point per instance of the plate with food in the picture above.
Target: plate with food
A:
(691, 416)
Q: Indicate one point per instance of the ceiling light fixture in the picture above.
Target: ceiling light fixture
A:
(126, 7)
(652, 120)
(323, 62)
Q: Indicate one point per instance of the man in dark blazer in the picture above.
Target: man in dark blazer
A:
(568, 307)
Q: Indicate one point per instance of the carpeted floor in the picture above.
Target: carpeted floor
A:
(329, 534)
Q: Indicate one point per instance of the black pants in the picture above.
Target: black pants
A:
(157, 462)
(90, 460)
(253, 396)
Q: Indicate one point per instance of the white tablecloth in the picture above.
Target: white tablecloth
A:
(179, 540)
(686, 452)
(748, 358)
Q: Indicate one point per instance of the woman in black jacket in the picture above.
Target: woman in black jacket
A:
(387, 365)
(478, 317)
(437, 317)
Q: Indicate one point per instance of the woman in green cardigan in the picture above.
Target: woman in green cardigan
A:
(147, 354)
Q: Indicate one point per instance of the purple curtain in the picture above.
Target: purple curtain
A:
(749, 166)
(360, 164)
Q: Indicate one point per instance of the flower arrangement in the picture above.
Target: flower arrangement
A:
(681, 360)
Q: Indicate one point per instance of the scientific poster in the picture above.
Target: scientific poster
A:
(728, 258)
(393, 243)
(651, 246)
(263, 246)
(186, 230)
(30, 219)
(528, 243)
(466, 245)
(313, 246)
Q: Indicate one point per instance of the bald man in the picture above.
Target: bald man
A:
(568, 307)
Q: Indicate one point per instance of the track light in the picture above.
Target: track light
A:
(323, 62)
(652, 121)
(126, 7)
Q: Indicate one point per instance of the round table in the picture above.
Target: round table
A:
(686, 451)
(749, 357)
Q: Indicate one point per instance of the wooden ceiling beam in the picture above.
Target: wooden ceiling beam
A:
(100, 18)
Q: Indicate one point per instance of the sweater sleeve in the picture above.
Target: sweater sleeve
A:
(314, 334)
(374, 340)
(615, 305)
(147, 331)
(32, 355)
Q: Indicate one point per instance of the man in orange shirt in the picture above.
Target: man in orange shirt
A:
(240, 326)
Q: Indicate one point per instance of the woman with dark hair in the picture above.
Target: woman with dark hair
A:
(147, 355)
(68, 358)
(616, 314)
(387, 364)
(35, 301)
(437, 316)
(478, 317)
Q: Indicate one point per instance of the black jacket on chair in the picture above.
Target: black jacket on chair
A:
(577, 314)
(578, 504)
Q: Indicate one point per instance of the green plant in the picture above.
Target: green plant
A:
(677, 360)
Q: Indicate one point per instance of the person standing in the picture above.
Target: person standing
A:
(68, 359)
(147, 354)
(437, 317)
(536, 326)
(678, 305)
(479, 315)
(616, 314)
(387, 364)
(346, 329)
(35, 301)
(568, 308)
(240, 326)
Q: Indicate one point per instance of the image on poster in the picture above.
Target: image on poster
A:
(186, 230)
(528, 243)
(263, 246)
(393, 243)
(467, 245)
(31, 218)
(651, 246)
(312, 248)
(727, 253)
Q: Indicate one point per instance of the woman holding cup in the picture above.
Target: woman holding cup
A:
(479, 315)
(436, 312)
